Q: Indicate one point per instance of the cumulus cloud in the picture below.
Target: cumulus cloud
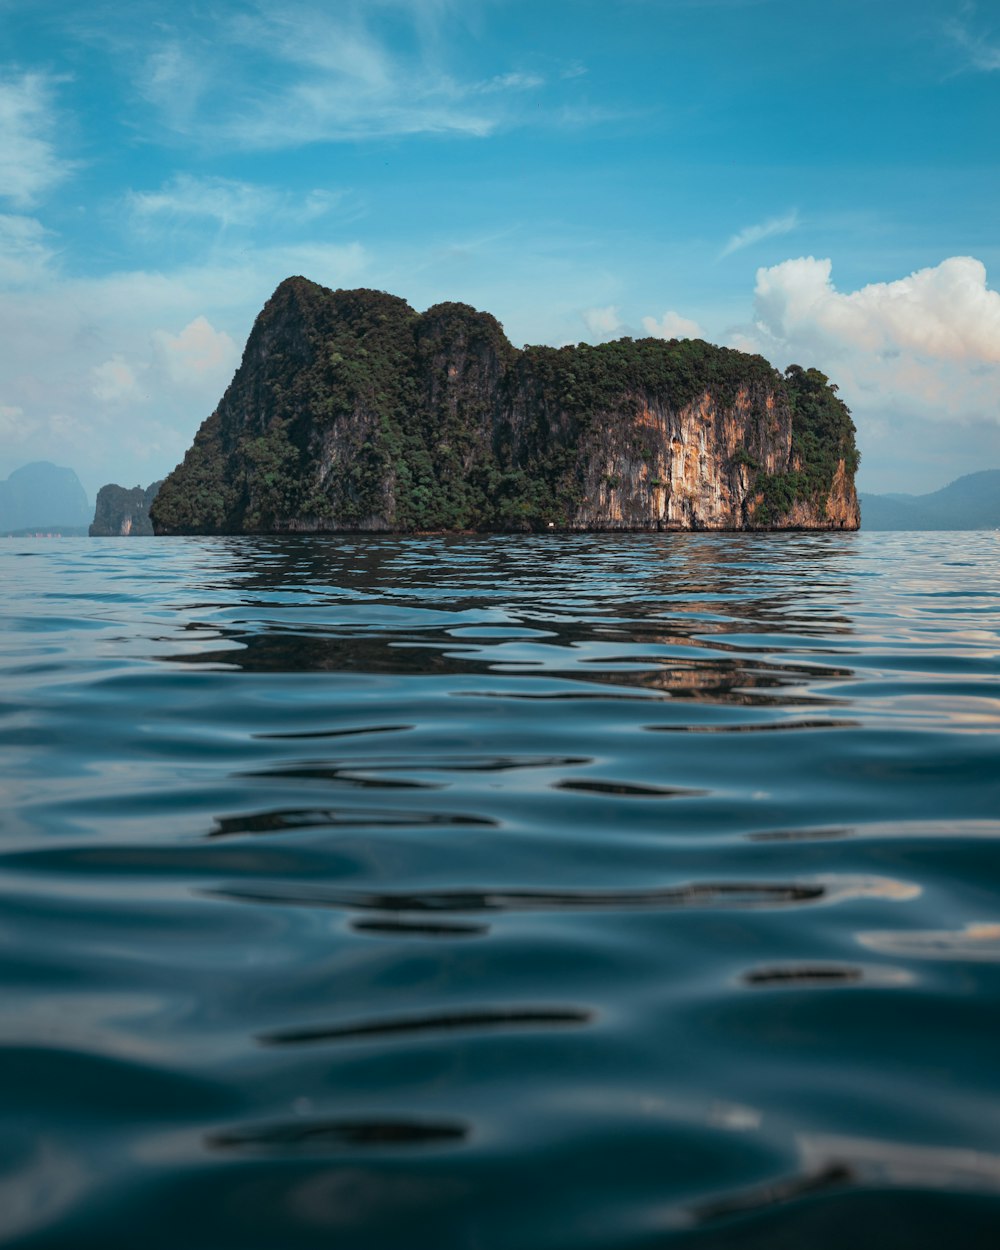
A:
(119, 371)
(769, 229)
(672, 326)
(912, 357)
(602, 323)
(944, 313)
(198, 354)
(114, 381)
(29, 164)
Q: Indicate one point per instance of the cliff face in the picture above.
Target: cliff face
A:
(123, 513)
(352, 412)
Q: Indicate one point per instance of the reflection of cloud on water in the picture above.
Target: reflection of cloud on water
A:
(875, 1162)
(980, 942)
(830, 1163)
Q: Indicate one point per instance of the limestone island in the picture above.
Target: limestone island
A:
(352, 412)
(123, 513)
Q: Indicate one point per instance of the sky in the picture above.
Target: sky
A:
(814, 180)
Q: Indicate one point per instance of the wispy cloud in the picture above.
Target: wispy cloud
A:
(174, 77)
(292, 74)
(229, 202)
(29, 163)
(750, 235)
(982, 51)
(336, 79)
(511, 82)
(25, 251)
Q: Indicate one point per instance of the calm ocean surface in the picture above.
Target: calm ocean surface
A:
(503, 893)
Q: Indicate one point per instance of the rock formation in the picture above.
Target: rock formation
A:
(46, 496)
(121, 512)
(350, 411)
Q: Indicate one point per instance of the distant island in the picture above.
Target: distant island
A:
(971, 502)
(122, 512)
(350, 411)
(42, 497)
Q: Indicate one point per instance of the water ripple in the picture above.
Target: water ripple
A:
(580, 892)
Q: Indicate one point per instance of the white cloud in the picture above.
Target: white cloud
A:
(769, 229)
(119, 371)
(226, 201)
(672, 326)
(944, 313)
(29, 165)
(911, 356)
(297, 72)
(198, 354)
(296, 75)
(175, 77)
(512, 82)
(114, 381)
(11, 423)
(338, 46)
(982, 53)
(25, 255)
(229, 202)
(602, 323)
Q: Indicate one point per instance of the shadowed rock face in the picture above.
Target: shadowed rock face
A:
(350, 411)
(123, 513)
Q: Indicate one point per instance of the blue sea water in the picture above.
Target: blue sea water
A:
(504, 893)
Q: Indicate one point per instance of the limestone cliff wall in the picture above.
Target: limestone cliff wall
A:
(677, 468)
(352, 412)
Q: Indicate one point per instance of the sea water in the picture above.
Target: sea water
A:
(500, 892)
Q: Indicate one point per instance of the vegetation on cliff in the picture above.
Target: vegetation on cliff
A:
(122, 512)
(351, 411)
(822, 440)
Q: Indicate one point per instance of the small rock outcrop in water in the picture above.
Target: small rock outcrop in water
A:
(350, 411)
(121, 512)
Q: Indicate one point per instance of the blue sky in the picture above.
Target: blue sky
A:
(817, 180)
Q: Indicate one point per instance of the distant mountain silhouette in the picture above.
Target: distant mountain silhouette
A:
(971, 502)
(45, 496)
